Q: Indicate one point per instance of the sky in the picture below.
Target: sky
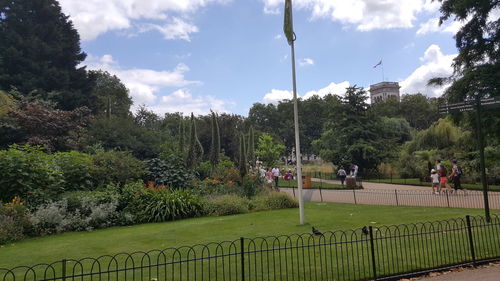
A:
(225, 55)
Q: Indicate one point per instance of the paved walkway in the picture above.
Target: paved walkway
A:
(490, 273)
(397, 195)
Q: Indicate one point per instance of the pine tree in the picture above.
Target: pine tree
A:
(215, 146)
(191, 156)
(243, 159)
(182, 132)
(40, 52)
(251, 147)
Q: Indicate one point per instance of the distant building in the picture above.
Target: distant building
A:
(384, 90)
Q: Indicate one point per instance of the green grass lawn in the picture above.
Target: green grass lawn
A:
(324, 216)
(417, 182)
(315, 184)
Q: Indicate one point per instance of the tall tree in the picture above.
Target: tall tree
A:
(477, 65)
(215, 145)
(40, 52)
(195, 150)
(182, 132)
(109, 94)
(268, 150)
(251, 147)
(243, 159)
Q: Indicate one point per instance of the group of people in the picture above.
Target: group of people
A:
(440, 178)
(353, 171)
(273, 174)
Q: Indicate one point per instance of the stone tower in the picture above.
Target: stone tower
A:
(384, 90)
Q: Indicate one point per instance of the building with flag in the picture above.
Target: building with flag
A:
(384, 90)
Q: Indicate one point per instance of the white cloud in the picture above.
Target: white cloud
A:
(95, 17)
(364, 14)
(432, 25)
(435, 64)
(278, 37)
(183, 101)
(276, 96)
(333, 88)
(306, 62)
(177, 29)
(146, 87)
(144, 84)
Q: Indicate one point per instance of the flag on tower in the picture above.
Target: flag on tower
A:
(379, 63)
(288, 24)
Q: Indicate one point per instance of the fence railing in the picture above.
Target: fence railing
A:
(368, 253)
(460, 199)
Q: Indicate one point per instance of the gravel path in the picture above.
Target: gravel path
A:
(398, 195)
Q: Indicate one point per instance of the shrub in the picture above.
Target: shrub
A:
(14, 222)
(118, 167)
(57, 217)
(273, 201)
(209, 187)
(76, 168)
(228, 205)
(157, 205)
(250, 184)
(28, 172)
(170, 172)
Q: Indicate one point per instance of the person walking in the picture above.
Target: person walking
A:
(456, 174)
(276, 175)
(342, 174)
(435, 181)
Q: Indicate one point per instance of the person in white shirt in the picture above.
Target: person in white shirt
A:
(276, 175)
(435, 182)
(342, 174)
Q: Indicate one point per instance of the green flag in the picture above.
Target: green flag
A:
(288, 25)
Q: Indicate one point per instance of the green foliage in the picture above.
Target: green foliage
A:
(170, 172)
(56, 217)
(228, 205)
(118, 167)
(269, 151)
(359, 136)
(14, 222)
(443, 135)
(28, 172)
(37, 123)
(195, 149)
(243, 160)
(41, 53)
(111, 96)
(77, 169)
(215, 144)
(273, 201)
(250, 184)
(126, 135)
(251, 147)
(165, 205)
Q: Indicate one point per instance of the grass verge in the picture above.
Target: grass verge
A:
(419, 183)
(324, 216)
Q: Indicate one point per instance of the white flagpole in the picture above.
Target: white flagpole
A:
(297, 139)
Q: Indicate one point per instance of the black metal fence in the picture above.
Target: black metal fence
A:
(460, 199)
(368, 253)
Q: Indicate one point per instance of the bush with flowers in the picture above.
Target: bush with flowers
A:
(14, 222)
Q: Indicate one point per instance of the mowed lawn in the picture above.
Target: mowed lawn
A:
(324, 216)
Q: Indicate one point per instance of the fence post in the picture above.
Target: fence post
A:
(354, 192)
(63, 273)
(372, 248)
(447, 199)
(397, 201)
(242, 254)
(471, 240)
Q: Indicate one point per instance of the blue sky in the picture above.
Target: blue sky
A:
(197, 55)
